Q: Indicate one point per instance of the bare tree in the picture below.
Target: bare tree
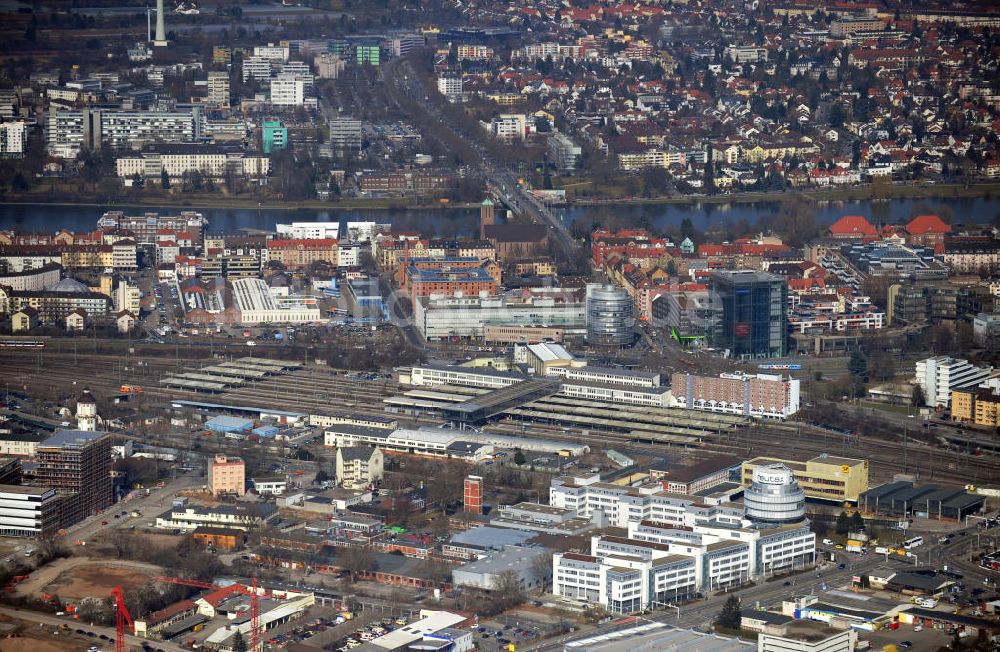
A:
(508, 589)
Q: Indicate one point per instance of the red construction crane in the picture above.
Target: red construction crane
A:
(254, 619)
(122, 616)
(198, 584)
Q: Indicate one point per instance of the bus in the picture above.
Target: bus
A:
(910, 544)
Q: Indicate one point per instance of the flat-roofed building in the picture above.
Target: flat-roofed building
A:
(28, 511)
(699, 476)
(760, 395)
(227, 476)
(826, 477)
(940, 375)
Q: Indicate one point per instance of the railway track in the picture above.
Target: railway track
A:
(61, 375)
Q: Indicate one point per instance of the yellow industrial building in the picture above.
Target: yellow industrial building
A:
(825, 477)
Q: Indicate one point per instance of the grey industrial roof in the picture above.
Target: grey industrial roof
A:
(488, 537)
(72, 438)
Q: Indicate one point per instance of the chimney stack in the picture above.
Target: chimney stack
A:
(161, 32)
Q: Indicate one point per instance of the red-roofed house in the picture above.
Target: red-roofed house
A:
(851, 227)
(927, 230)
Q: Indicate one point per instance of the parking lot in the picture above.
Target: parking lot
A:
(496, 636)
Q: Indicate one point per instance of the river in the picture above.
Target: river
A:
(452, 222)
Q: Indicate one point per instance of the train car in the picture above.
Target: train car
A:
(780, 367)
(22, 342)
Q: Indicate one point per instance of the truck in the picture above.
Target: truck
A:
(827, 542)
(855, 546)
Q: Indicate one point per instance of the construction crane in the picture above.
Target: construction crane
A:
(255, 642)
(122, 616)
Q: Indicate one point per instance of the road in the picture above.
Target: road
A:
(158, 501)
(501, 182)
(109, 632)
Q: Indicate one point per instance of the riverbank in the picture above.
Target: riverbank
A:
(360, 204)
(853, 193)
(910, 191)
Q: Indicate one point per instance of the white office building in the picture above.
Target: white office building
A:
(676, 546)
(288, 89)
(257, 305)
(256, 68)
(938, 376)
(28, 511)
(13, 139)
(440, 317)
(271, 52)
(309, 230)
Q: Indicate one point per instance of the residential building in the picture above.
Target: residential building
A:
(13, 139)
(760, 395)
(752, 319)
(938, 376)
(28, 511)
(68, 131)
(127, 297)
(563, 152)
(836, 479)
(979, 405)
(274, 136)
(291, 90)
(212, 161)
(300, 253)
(241, 517)
(146, 228)
(77, 464)
(55, 303)
(218, 88)
(449, 85)
(359, 466)
(508, 127)
(32, 279)
(226, 476)
(24, 319)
